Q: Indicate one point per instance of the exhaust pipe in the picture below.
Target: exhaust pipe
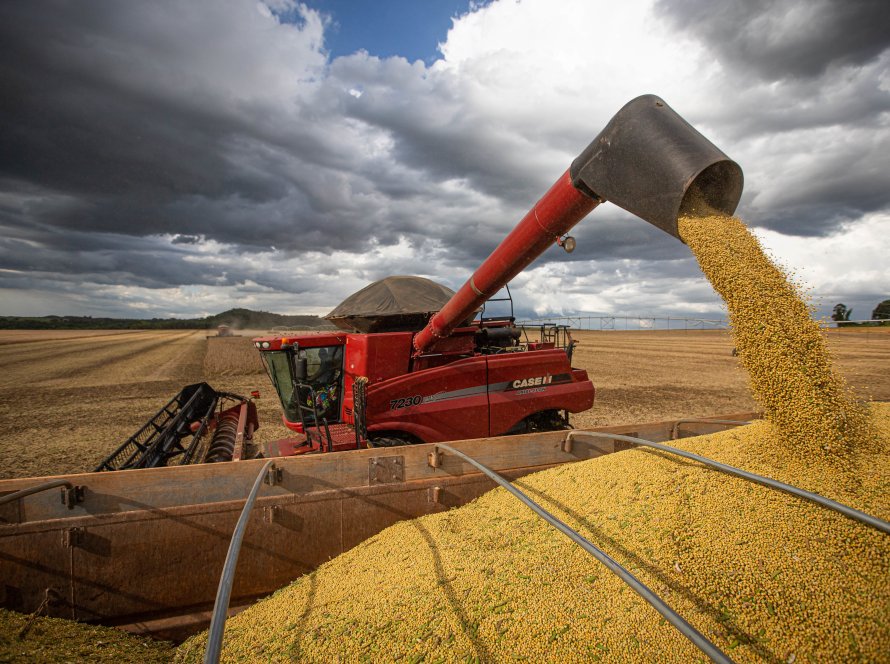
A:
(648, 160)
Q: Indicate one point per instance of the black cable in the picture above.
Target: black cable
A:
(17, 495)
(846, 510)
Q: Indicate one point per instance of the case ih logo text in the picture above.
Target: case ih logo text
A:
(520, 383)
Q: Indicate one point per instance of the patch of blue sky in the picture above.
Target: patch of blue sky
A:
(412, 29)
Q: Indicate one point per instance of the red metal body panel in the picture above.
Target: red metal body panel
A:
(555, 214)
(310, 340)
(522, 384)
(377, 357)
(480, 396)
(435, 404)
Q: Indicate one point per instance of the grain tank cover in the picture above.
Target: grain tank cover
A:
(393, 304)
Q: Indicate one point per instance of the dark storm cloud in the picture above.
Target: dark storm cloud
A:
(123, 110)
(816, 197)
(808, 82)
(777, 39)
(206, 144)
(437, 135)
(136, 263)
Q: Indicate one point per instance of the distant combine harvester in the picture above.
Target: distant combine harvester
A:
(222, 331)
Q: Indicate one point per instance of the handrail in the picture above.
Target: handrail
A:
(675, 430)
(696, 637)
(224, 591)
(846, 510)
(76, 494)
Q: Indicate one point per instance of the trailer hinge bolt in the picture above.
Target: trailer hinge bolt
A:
(72, 495)
(72, 537)
(274, 476)
(434, 458)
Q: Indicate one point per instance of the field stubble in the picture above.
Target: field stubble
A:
(66, 400)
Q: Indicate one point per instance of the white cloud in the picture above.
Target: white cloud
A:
(848, 266)
(305, 178)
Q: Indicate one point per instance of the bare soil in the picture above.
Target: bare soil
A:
(67, 400)
(656, 375)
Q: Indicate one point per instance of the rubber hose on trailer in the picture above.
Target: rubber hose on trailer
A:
(697, 638)
(222, 445)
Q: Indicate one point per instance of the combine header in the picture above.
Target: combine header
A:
(415, 365)
(175, 435)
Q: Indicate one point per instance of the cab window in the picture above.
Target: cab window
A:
(278, 366)
(324, 374)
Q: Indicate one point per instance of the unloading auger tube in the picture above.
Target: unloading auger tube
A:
(648, 160)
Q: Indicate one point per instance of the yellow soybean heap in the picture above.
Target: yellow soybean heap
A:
(764, 575)
(29, 639)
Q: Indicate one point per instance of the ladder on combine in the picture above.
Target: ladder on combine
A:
(161, 438)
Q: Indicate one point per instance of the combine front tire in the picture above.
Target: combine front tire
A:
(389, 441)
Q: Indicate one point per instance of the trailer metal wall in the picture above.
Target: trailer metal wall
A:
(145, 547)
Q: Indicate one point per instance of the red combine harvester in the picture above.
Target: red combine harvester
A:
(347, 390)
(409, 373)
(405, 368)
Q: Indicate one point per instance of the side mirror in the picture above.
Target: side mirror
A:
(300, 368)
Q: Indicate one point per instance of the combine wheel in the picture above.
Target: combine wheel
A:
(548, 420)
(389, 441)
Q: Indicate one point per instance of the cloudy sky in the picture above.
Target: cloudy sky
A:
(173, 158)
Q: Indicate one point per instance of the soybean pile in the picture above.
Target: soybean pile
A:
(764, 575)
(38, 639)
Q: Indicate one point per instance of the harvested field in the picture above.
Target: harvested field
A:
(659, 375)
(66, 400)
(28, 336)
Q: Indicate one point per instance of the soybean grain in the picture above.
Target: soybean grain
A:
(764, 575)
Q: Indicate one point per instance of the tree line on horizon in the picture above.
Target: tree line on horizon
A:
(234, 318)
(841, 313)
